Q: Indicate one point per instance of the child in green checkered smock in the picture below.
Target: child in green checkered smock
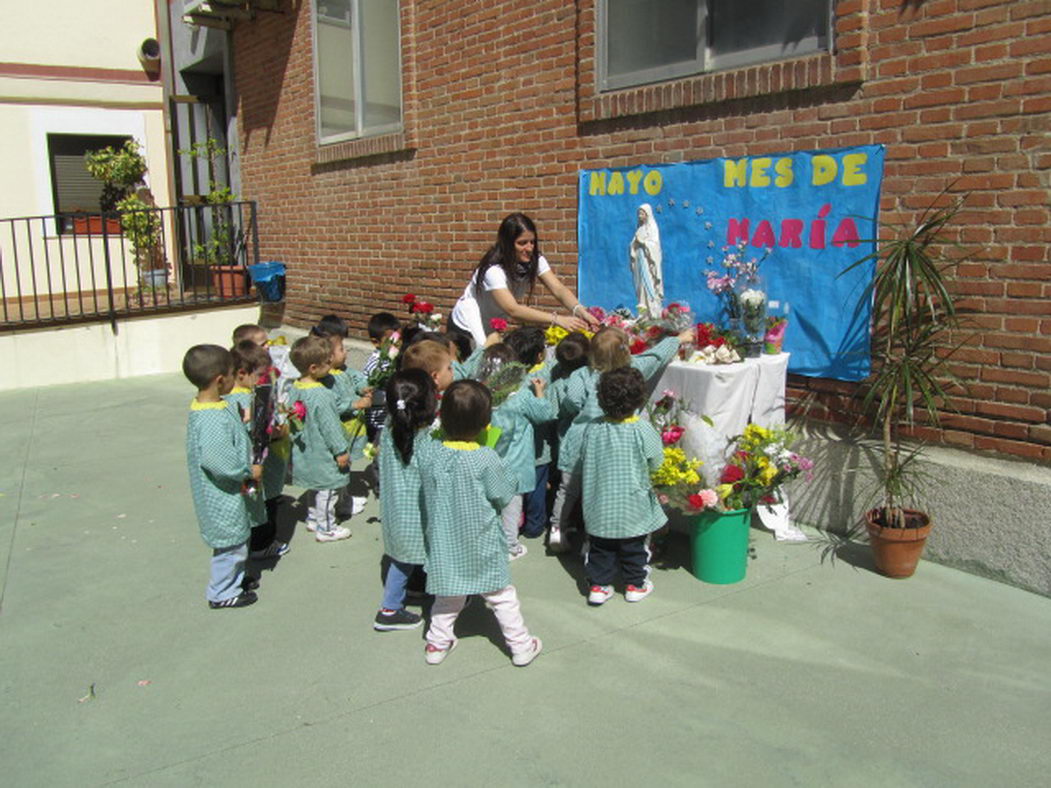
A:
(518, 406)
(618, 454)
(219, 464)
(465, 486)
(412, 404)
(320, 458)
(609, 350)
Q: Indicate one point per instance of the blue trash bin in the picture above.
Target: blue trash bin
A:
(269, 279)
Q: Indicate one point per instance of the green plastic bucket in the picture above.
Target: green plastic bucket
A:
(719, 544)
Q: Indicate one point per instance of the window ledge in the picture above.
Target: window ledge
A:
(328, 153)
(802, 73)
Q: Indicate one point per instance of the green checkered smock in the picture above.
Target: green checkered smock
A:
(349, 386)
(516, 417)
(464, 491)
(241, 399)
(580, 399)
(217, 457)
(544, 435)
(401, 498)
(322, 439)
(616, 460)
(466, 369)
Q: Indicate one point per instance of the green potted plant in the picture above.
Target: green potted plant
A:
(121, 171)
(913, 312)
(141, 222)
(219, 241)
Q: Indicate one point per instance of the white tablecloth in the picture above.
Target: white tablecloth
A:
(730, 395)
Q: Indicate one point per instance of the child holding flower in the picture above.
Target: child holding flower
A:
(618, 455)
(320, 459)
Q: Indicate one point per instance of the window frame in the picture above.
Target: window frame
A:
(706, 61)
(360, 131)
(64, 223)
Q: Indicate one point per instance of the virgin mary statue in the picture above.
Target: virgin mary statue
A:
(645, 254)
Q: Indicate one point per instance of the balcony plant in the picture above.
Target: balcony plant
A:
(141, 222)
(121, 171)
(913, 315)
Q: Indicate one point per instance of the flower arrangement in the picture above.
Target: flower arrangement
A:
(676, 479)
(423, 312)
(714, 346)
(760, 464)
(736, 269)
(676, 317)
(665, 415)
(775, 334)
(386, 362)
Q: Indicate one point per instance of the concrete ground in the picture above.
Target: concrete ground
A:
(813, 671)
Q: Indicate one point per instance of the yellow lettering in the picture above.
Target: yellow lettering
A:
(616, 183)
(652, 183)
(852, 164)
(759, 167)
(785, 176)
(597, 184)
(824, 170)
(735, 173)
(633, 181)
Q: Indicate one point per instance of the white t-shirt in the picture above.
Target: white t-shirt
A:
(474, 309)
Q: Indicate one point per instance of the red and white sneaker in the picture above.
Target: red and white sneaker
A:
(523, 658)
(436, 656)
(637, 593)
(599, 594)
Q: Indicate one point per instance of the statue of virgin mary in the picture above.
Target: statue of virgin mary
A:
(645, 255)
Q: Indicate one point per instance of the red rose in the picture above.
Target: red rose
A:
(498, 324)
(654, 331)
(731, 475)
(423, 307)
(638, 346)
(696, 502)
(408, 298)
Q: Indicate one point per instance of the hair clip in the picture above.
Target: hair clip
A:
(400, 404)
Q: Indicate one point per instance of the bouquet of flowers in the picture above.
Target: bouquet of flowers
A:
(736, 270)
(423, 312)
(295, 415)
(760, 464)
(676, 478)
(714, 346)
(387, 362)
(665, 414)
(775, 334)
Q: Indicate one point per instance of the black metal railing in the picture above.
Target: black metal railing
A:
(80, 267)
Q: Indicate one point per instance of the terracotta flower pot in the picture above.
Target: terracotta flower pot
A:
(897, 550)
(229, 281)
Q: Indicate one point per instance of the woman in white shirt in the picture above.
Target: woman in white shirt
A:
(506, 274)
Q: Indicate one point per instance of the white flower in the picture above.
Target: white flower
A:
(392, 353)
(753, 298)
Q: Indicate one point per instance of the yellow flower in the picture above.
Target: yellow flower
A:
(724, 490)
(555, 334)
(767, 474)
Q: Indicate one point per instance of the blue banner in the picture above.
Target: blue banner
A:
(814, 211)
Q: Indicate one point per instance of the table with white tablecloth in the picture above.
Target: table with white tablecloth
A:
(731, 396)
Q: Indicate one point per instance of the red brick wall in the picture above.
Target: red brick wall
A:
(501, 112)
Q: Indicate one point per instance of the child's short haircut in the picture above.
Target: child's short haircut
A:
(310, 350)
(249, 357)
(572, 352)
(331, 325)
(609, 349)
(380, 323)
(462, 342)
(527, 343)
(621, 392)
(204, 363)
(428, 355)
(466, 409)
(247, 331)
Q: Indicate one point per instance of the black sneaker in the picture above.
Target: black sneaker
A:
(387, 620)
(244, 599)
(250, 583)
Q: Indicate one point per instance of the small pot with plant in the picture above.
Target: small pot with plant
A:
(121, 171)
(913, 315)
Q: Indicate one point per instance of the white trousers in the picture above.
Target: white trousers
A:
(503, 603)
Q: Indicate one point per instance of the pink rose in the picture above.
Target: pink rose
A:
(672, 435)
(299, 410)
(498, 324)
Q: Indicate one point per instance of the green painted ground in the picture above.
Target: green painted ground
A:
(811, 672)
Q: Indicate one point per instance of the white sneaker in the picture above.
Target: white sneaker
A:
(599, 594)
(517, 552)
(311, 526)
(357, 505)
(523, 658)
(337, 533)
(556, 540)
(637, 594)
(436, 656)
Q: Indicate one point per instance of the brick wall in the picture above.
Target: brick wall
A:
(501, 111)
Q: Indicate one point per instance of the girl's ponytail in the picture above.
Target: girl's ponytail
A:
(412, 402)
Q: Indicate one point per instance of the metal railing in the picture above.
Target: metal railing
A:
(79, 267)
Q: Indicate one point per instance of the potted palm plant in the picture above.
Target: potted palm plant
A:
(913, 313)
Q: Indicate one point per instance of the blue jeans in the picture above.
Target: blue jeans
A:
(535, 504)
(394, 587)
(228, 572)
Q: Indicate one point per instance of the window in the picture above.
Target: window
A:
(357, 57)
(643, 41)
(72, 187)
